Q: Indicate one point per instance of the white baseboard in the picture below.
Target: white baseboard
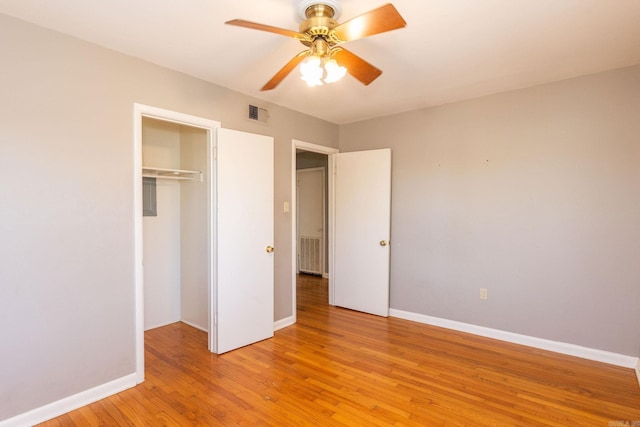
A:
(638, 371)
(70, 403)
(193, 325)
(283, 323)
(555, 346)
(325, 275)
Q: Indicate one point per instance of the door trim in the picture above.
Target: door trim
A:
(315, 148)
(140, 111)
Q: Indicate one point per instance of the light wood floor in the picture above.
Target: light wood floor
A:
(339, 367)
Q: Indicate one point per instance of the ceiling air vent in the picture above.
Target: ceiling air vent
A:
(258, 114)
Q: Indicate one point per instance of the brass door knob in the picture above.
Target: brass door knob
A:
(383, 243)
(270, 249)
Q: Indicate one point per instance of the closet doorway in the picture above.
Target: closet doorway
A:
(178, 153)
(232, 218)
(175, 214)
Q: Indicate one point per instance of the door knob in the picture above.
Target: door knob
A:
(270, 249)
(383, 243)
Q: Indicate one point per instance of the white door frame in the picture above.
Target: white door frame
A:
(315, 148)
(140, 111)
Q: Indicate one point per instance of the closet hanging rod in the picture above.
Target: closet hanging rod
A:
(177, 174)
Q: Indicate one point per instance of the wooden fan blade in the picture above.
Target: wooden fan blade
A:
(356, 66)
(284, 71)
(255, 26)
(385, 18)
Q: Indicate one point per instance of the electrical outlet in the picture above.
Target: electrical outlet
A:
(483, 293)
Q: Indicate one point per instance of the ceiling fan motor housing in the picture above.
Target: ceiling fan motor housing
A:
(304, 6)
(318, 25)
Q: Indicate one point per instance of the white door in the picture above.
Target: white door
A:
(310, 198)
(362, 231)
(243, 236)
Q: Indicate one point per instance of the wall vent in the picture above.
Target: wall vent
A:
(310, 255)
(258, 114)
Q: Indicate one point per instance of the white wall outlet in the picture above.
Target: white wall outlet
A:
(285, 207)
(483, 293)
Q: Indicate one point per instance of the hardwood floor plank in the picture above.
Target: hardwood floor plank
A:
(338, 367)
(117, 416)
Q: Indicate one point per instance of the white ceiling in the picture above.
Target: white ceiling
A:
(449, 51)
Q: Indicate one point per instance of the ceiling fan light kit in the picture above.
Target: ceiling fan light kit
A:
(315, 70)
(325, 60)
(334, 71)
(320, 65)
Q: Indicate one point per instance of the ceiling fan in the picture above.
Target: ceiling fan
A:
(325, 59)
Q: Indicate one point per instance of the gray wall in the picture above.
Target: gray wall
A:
(533, 194)
(66, 205)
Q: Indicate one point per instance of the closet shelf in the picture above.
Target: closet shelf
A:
(177, 174)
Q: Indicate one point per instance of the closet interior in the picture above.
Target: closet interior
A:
(176, 231)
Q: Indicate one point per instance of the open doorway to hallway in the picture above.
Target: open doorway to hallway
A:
(312, 215)
(312, 291)
(312, 218)
(311, 228)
